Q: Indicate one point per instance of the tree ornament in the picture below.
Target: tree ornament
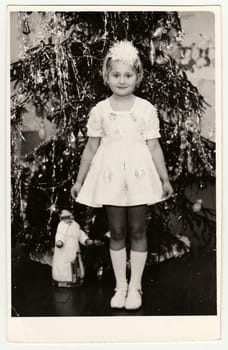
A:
(169, 47)
(23, 206)
(43, 167)
(46, 74)
(42, 132)
(33, 168)
(52, 70)
(39, 77)
(189, 162)
(166, 207)
(197, 206)
(191, 125)
(202, 185)
(26, 224)
(80, 135)
(184, 142)
(152, 52)
(100, 272)
(180, 36)
(158, 32)
(162, 59)
(175, 131)
(186, 102)
(185, 240)
(67, 153)
(72, 140)
(53, 208)
(45, 159)
(26, 29)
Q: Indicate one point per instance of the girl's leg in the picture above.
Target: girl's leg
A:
(117, 218)
(138, 254)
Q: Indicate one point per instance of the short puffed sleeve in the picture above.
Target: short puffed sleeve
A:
(95, 124)
(152, 125)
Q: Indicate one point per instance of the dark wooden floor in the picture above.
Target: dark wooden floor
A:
(184, 286)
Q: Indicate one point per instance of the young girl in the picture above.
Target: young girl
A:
(123, 168)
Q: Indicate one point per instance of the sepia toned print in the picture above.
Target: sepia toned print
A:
(114, 169)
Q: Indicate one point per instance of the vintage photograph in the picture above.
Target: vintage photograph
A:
(113, 163)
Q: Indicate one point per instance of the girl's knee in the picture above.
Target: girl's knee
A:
(118, 233)
(137, 232)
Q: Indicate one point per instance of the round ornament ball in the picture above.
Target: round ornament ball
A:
(197, 206)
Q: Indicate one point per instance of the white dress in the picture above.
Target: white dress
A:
(122, 172)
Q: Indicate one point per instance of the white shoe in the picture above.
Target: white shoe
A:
(118, 300)
(134, 299)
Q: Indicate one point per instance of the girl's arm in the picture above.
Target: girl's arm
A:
(87, 156)
(158, 158)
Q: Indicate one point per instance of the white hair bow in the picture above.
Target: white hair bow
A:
(123, 51)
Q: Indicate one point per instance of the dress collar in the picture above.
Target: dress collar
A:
(119, 111)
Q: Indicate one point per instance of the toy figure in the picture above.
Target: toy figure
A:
(67, 267)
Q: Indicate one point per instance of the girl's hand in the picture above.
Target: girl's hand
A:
(75, 189)
(167, 189)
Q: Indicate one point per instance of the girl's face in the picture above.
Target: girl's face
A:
(122, 78)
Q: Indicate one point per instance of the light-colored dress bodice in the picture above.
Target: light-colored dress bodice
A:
(122, 172)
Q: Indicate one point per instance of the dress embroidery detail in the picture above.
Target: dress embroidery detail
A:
(140, 173)
(133, 117)
(112, 116)
(107, 176)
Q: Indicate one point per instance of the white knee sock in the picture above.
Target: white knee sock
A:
(138, 261)
(119, 262)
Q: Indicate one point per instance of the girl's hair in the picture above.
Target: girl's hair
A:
(123, 51)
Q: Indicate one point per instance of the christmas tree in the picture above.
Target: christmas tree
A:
(62, 78)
